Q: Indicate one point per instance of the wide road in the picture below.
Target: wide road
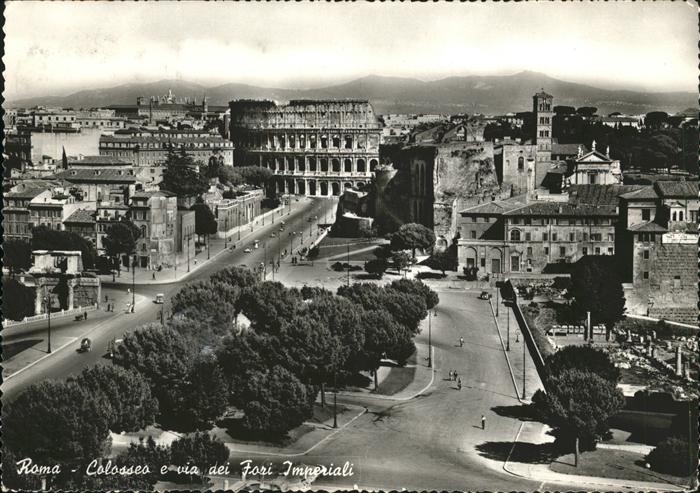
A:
(435, 441)
(67, 361)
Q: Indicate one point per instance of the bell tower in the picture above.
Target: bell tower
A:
(542, 109)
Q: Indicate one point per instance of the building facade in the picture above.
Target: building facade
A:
(315, 148)
(16, 221)
(155, 215)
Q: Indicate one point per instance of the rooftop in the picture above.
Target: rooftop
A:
(563, 209)
(81, 216)
(677, 189)
(105, 175)
(497, 206)
(604, 195)
(648, 227)
(98, 160)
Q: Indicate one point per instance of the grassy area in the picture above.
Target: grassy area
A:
(397, 380)
(540, 318)
(612, 463)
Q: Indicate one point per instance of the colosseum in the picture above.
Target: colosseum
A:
(315, 148)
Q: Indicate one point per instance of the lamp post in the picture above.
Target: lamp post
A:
(497, 300)
(189, 236)
(430, 342)
(524, 361)
(133, 284)
(47, 304)
(508, 330)
(335, 400)
(239, 225)
(348, 261)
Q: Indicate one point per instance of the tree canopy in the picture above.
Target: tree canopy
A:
(121, 239)
(418, 288)
(44, 238)
(412, 236)
(585, 358)
(578, 404)
(204, 220)
(17, 299)
(255, 175)
(181, 177)
(208, 302)
(17, 255)
(377, 267)
(597, 287)
(199, 449)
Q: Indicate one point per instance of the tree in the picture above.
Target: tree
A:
(312, 254)
(442, 261)
(44, 238)
(205, 393)
(275, 402)
(11, 479)
(377, 267)
(204, 221)
(239, 359)
(597, 287)
(17, 300)
(584, 358)
(127, 392)
(17, 255)
(578, 405)
(412, 236)
(57, 423)
(199, 449)
(145, 453)
(673, 456)
(418, 288)
(655, 119)
(564, 110)
(229, 176)
(242, 277)
(382, 333)
(256, 175)
(268, 304)
(587, 111)
(181, 177)
(164, 358)
(402, 260)
(208, 302)
(121, 239)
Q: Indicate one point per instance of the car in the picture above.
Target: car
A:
(485, 295)
(160, 299)
(247, 250)
(272, 235)
(85, 345)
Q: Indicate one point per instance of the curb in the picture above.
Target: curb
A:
(298, 454)
(510, 368)
(398, 399)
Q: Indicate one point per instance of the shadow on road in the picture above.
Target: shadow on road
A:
(521, 412)
(13, 348)
(528, 453)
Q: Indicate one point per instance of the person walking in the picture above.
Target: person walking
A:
(483, 422)
(461, 342)
(451, 376)
(455, 374)
(154, 275)
(85, 315)
(459, 384)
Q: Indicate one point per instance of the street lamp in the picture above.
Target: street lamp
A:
(47, 306)
(239, 225)
(524, 361)
(430, 341)
(508, 330)
(133, 284)
(335, 400)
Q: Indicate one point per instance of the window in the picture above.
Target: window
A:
(521, 163)
(645, 274)
(676, 281)
(554, 237)
(516, 220)
(527, 221)
(611, 237)
(515, 263)
(673, 217)
(546, 250)
(610, 250)
(545, 236)
(515, 235)
(645, 255)
(646, 214)
(597, 250)
(572, 236)
(483, 262)
(473, 233)
(529, 251)
(528, 237)
(562, 251)
(584, 250)
(680, 215)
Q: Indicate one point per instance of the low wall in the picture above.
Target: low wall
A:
(44, 316)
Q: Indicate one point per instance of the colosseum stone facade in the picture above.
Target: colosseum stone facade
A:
(315, 148)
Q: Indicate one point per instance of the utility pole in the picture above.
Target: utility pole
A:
(348, 261)
(497, 300)
(47, 304)
(335, 400)
(430, 342)
(524, 362)
(133, 285)
(188, 252)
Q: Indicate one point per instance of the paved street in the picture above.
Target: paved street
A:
(64, 362)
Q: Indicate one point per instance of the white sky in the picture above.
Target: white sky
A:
(57, 48)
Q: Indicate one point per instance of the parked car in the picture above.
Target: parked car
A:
(485, 295)
(160, 299)
(247, 250)
(85, 345)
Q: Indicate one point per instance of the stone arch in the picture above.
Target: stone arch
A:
(347, 166)
(495, 260)
(312, 188)
(290, 186)
(347, 184)
(301, 165)
(471, 258)
(324, 165)
(361, 168)
(373, 164)
(359, 184)
(336, 141)
(324, 188)
(335, 187)
(335, 165)
(312, 164)
(290, 163)
(301, 187)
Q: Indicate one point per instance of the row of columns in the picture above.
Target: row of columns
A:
(302, 141)
(315, 188)
(303, 164)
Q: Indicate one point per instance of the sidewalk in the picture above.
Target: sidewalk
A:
(217, 246)
(532, 433)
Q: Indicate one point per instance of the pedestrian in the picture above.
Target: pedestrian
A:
(455, 374)
(459, 383)
(154, 276)
(128, 290)
(451, 375)
(483, 422)
(106, 298)
(85, 315)
(461, 342)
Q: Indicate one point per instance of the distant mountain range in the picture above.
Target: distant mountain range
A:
(470, 94)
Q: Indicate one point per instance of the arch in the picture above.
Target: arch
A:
(521, 163)
(471, 257)
(335, 165)
(301, 165)
(361, 166)
(335, 187)
(324, 142)
(441, 243)
(290, 164)
(301, 187)
(336, 141)
(359, 184)
(144, 231)
(347, 184)
(282, 141)
(312, 164)
(680, 215)
(324, 188)
(494, 263)
(312, 188)
(673, 216)
(373, 164)
(324, 165)
(290, 186)
(347, 166)
(515, 235)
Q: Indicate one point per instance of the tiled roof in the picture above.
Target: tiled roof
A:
(681, 189)
(497, 206)
(100, 160)
(88, 175)
(562, 209)
(29, 193)
(602, 195)
(148, 195)
(571, 149)
(82, 216)
(645, 193)
(649, 227)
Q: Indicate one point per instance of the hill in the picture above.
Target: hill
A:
(470, 94)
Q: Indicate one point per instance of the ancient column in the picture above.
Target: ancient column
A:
(39, 300)
(71, 294)
(679, 363)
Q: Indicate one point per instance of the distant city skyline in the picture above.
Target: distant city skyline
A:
(60, 48)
